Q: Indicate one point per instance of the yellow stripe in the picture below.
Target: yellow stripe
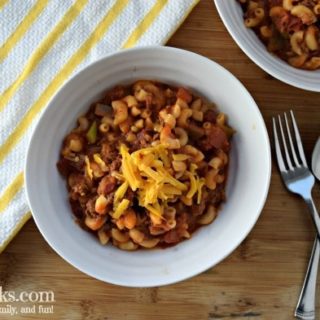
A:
(11, 191)
(22, 28)
(64, 73)
(2, 3)
(193, 4)
(145, 23)
(42, 50)
(16, 229)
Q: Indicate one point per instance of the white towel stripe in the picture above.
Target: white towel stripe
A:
(10, 17)
(50, 65)
(173, 11)
(14, 64)
(10, 218)
(131, 16)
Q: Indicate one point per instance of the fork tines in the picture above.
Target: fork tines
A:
(289, 147)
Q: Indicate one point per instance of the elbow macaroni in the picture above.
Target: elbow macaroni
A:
(292, 24)
(146, 177)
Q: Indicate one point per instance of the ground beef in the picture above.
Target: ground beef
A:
(66, 166)
(176, 234)
(210, 116)
(198, 209)
(215, 138)
(108, 152)
(90, 206)
(76, 208)
(141, 141)
(287, 23)
(116, 93)
(116, 164)
(275, 3)
(217, 196)
(78, 185)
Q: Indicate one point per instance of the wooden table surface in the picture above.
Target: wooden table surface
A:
(261, 279)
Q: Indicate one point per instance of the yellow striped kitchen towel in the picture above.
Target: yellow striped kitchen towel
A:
(42, 44)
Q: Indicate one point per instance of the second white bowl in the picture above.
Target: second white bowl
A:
(232, 17)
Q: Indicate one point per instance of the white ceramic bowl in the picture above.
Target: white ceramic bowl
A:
(247, 187)
(232, 17)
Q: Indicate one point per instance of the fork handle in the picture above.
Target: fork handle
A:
(305, 309)
(314, 213)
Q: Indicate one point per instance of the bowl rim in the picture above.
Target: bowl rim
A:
(277, 73)
(192, 273)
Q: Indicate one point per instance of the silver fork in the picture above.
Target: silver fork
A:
(298, 179)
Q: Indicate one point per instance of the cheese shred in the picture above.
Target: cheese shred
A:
(121, 208)
(88, 167)
(147, 172)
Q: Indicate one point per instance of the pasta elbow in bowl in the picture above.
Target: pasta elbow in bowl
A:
(289, 28)
(146, 165)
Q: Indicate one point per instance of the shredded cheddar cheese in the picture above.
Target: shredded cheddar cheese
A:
(193, 168)
(193, 186)
(88, 169)
(201, 183)
(118, 176)
(121, 208)
(169, 189)
(119, 194)
(97, 159)
(129, 170)
(155, 211)
(146, 171)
